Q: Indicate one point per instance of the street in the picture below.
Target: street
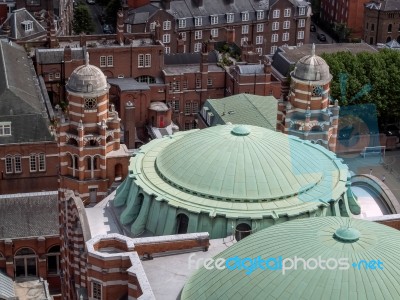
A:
(314, 40)
(95, 10)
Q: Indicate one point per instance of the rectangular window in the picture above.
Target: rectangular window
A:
(260, 14)
(285, 37)
(141, 60)
(243, 41)
(245, 16)
(152, 26)
(57, 75)
(32, 163)
(245, 29)
(198, 35)
(198, 21)
(183, 35)
(276, 14)
(260, 27)
(18, 164)
(167, 50)
(275, 26)
(274, 38)
(42, 162)
(167, 25)
(259, 39)
(166, 38)
(197, 47)
(229, 18)
(302, 11)
(273, 49)
(286, 24)
(198, 83)
(259, 51)
(110, 61)
(175, 105)
(188, 108)
(214, 20)
(9, 164)
(300, 35)
(187, 126)
(182, 23)
(5, 128)
(195, 107)
(214, 32)
(128, 28)
(209, 81)
(96, 290)
(185, 84)
(147, 60)
(177, 86)
(287, 12)
(302, 23)
(51, 77)
(103, 61)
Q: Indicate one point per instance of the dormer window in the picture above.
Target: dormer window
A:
(198, 21)
(245, 16)
(214, 19)
(182, 23)
(5, 128)
(302, 11)
(260, 14)
(229, 17)
(28, 25)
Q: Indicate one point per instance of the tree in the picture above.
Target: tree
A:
(111, 11)
(82, 22)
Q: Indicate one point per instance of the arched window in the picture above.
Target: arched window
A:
(371, 40)
(72, 142)
(296, 126)
(316, 128)
(242, 230)
(53, 260)
(92, 143)
(89, 163)
(182, 222)
(96, 160)
(388, 39)
(25, 263)
(109, 139)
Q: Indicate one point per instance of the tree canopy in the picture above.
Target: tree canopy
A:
(111, 11)
(82, 22)
(367, 77)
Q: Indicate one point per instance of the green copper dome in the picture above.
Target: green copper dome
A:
(369, 267)
(240, 163)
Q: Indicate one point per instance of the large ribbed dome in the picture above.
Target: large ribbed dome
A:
(87, 79)
(240, 162)
(312, 68)
(310, 239)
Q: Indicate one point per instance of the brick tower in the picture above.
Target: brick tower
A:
(91, 156)
(307, 112)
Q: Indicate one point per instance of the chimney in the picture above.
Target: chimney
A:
(267, 65)
(82, 40)
(199, 3)
(166, 4)
(157, 32)
(130, 133)
(180, 44)
(51, 32)
(204, 59)
(120, 27)
(67, 54)
(211, 44)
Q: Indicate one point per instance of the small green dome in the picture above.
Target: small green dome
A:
(347, 234)
(240, 130)
(372, 270)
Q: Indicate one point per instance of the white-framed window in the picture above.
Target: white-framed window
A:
(197, 47)
(243, 40)
(188, 108)
(57, 75)
(185, 84)
(13, 164)
(103, 61)
(229, 17)
(245, 16)
(198, 21)
(9, 164)
(96, 290)
(166, 38)
(183, 35)
(152, 26)
(51, 76)
(182, 23)
(285, 37)
(259, 39)
(259, 51)
(209, 81)
(32, 163)
(37, 161)
(17, 164)
(167, 50)
(214, 32)
(302, 11)
(276, 14)
(141, 61)
(260, 14)
(5, 128)
(260, 27)
(198, 35)
(128, 28)
(214, 19)
(286, 24)
(167, 25)
(274, 38)
(273, 49)
(287, 12)
(302, 23)
(195, 106)
(300, 35)
(42, 162)
(28, 25)
(198, 82)
(245, 29)
(110, 61)
(275, 26)
(174, 105)
(147, 60)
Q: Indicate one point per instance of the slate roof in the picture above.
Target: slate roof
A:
(188, 58)
(28, 215)
(17, 29)
(6, 287)
(251, 69)
(56, 56)
(391, 5)
(286, 57)
(244, 109)
(312, 238)
(141, 14)
(128, 84)
(21, 101)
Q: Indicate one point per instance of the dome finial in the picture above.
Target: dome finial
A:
(87, 58)
(313, 50)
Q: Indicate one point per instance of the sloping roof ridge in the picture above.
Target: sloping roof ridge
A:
(250, 100)
(14, 90)
(4, 64)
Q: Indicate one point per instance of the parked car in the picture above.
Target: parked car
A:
(312, 28)
(321, 37)
(91, 1)
(107, 29)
